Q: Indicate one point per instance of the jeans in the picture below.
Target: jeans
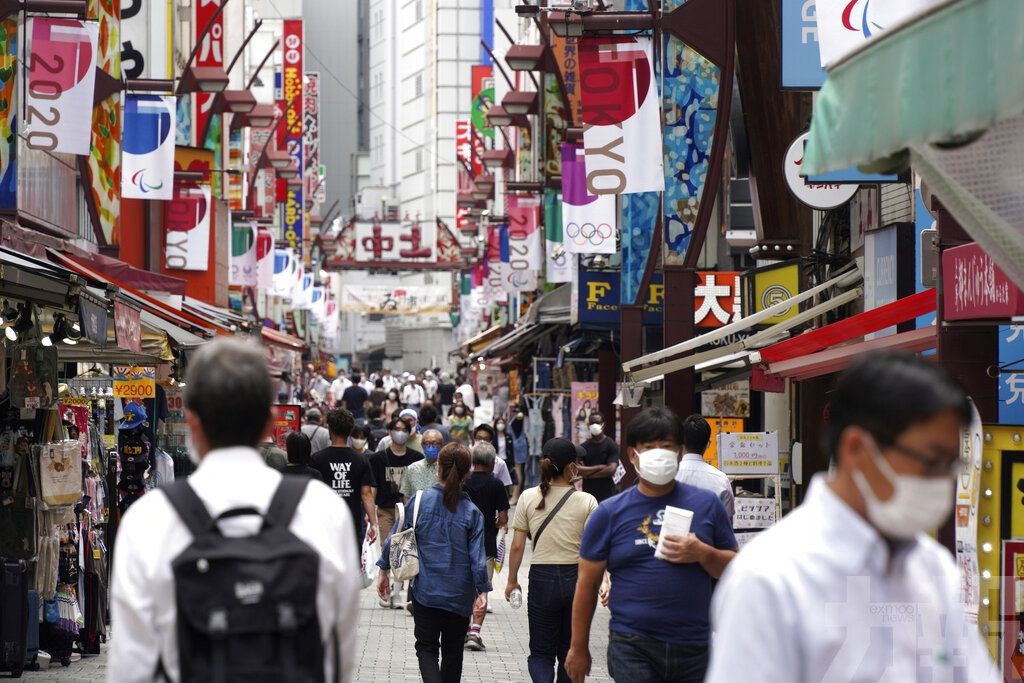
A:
(549, 609)
(433, 625)
(638, 659)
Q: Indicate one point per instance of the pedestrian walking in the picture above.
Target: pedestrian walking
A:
(452, 577)
(422, 474)
(391, 404)
(349, 475)
(600, 461)
(314, 430)
(490, 497)
(359, 440)
(378, 426)
(818, 588)
(658, 632)
(379, 394)
(299, 456)
(355, 398)
(485, 434)
(273, 456)
(176, 593)
(446, 393)
(460, 422)
(506, 453)
(558, 513)
(415, 441)
(429, 419)
(693, 470)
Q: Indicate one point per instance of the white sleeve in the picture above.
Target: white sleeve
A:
(134, 653)
(748, 613)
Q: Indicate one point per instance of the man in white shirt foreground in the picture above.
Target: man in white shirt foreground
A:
(849, 587)
(227, 406)
(693, 470)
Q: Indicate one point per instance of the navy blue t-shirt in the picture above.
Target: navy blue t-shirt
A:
(650, 597)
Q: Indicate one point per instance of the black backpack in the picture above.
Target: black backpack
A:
(247, 605)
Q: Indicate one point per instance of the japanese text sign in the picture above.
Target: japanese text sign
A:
(749, 453)
(718, 298)
(292, 130)
(211, 53)
(754, 513)
(396, 242)
(977, 288)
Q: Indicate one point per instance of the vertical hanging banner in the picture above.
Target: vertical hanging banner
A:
(243, 271)
(147, 161)
(264, 188)
(621, 117)
(264, 260)
(146, 38)
(556, 120)
(464, 162)
(61, 81)
(9, 114)
(483, 98)
(211, 53)
(284, 277)
(588, 220)
(311, 136)
(188, 227)
(524, 244)
(294, 208)
(104, 160)
(559, 263)
(844, 25)
(567, 59)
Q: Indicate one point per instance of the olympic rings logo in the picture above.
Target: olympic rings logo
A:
(588, 232)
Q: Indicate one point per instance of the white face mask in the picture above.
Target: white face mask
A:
(500, 427)
(658, 466)
(358, 444)
(917, 504)
(399, 438)
(596, 429)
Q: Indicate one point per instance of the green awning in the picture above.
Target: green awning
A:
(957, 69)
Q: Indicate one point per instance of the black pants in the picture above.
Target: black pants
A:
(635, 659)
(433, 625)
(549, 608)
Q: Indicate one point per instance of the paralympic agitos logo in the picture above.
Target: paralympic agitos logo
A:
(849, 18)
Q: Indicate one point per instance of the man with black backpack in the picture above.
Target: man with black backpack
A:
(236, 573)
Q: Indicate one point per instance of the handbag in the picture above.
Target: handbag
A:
(404, 553)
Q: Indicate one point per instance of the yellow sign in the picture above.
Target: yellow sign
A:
(134, 382)
(775, 285)
(719, 425)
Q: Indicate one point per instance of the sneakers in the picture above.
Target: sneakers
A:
(386, 604)
(475, 643)
(408, 607)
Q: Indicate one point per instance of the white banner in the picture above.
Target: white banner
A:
(188, 228)
(379, 299)
(244, 267)
(588, 220)
(621, 115)
(264, 260)
(399, 242)
(560, 263)
(147, 158)
(61, 83)
(845, 25)
(284, 272)
(146, 38)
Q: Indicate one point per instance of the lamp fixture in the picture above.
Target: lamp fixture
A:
(524, 57)
(566, 24)
(498, 116)
(289, 171)
(278, 160)
(520, 102)
(22, 325)
(484, 183)
(9, 314)
(497, 158)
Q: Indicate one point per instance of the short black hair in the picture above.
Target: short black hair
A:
(374, 413)
(428, 415)
(396, 420)
(594, 415)
(229, 389)
(340, 423)
(360, 432)
(696, 434)
(654, 424)
(379, 383)
(484, 427)
(357, 378)
(300, 448)
(886, 393)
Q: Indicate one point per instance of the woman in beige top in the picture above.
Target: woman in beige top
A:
(553, 515)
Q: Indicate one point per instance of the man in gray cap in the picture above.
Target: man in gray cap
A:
(318, 435)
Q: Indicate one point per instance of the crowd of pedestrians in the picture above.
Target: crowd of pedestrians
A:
(433, 489)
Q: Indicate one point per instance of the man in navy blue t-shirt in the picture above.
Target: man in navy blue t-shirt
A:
(660, 627)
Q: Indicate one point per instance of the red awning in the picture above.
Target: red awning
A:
(132, 276)
(272, 336)
(851, 328)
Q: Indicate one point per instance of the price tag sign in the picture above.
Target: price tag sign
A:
(134, 382)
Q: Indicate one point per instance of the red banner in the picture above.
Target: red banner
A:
(975, 288)
(291, 130)
(211, 53)
(464, 160)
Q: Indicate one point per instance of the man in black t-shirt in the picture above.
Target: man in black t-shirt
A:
(446, 391)
(601, 462)
(348, 474)
(488, 494)
(354, 399)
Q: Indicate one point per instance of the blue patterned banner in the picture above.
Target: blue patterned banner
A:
(639, 221)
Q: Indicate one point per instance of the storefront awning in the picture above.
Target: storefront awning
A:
(851, 328)
(953, 70)
(134, 277)
(515, 340)
(482, 340)
(287, 341)
(28, 279)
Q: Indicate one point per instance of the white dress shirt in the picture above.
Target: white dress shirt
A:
(339, 386)
(818, 598)
(695, 472)
(151, 535)
(501, 472)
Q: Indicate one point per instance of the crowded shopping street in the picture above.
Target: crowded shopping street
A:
(648, 341)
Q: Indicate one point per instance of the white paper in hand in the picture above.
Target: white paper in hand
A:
(675, 522)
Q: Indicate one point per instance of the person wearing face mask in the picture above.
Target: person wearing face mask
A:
(485, 434)
(659, 632)
(415, 435)
(858, 547)
(506, 453)
(459, 422)
(422, 474)
(601, 460)
(391, 403)
(359, 441)
(348, 474)
(389, 467)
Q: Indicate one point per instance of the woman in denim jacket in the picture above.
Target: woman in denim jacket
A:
(453, 567)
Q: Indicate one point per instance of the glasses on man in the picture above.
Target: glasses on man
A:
(931, 466)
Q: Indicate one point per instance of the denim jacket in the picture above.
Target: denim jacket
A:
(453, 566)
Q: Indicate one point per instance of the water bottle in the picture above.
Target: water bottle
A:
(516, 599)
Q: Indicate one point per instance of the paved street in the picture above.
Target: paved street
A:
(385, 648)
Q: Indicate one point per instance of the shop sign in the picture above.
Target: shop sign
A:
(399, 242)
(464, 162)
(147, 161)
(1012, 617)
(720, 425)
(718, 299)
(976, 287)
(801, 62)
(1011, 383)
(134, 382)
(749, 453)
(772, 285)
(968, 487)
(61, 78)
(93, 320)
(815, 195)
(145, 39)
(383, 300)
(210, 53)
(482, 77)
(311, 135)
(284, 420)
(728, 400)
(291, 133)
(621, 115)
(599, 298)
(566, 52)
(583, 401)
(128, 327)
(754, 513)
(880, 266)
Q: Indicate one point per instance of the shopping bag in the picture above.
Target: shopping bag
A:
(499, 556)
(368, 561)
